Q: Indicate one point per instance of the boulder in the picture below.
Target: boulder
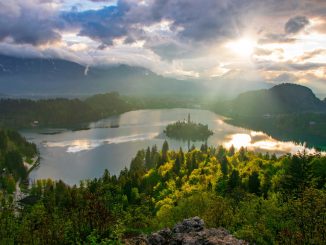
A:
(189, 232)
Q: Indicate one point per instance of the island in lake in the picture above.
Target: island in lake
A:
(188, 130)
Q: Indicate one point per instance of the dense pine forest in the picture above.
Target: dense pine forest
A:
(260, 198)
(17, 157)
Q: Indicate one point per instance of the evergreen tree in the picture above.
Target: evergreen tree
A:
(254, 183)
(242, 154)
(298, 174)
(155, 156)
(165, 149)
(148, 159)
(177, 165)
(225, 166)
(221, 152)
(203, 147)
(231, 150)
(234, 180)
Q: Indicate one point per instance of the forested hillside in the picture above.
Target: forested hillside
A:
(261, 198)
(281, 99)
(25, 113)
(287, 112)
(14, 151)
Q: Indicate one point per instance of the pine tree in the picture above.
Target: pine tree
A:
(231, 151)
(225, 166)
(148, 159)
(254, 183)
(165, 150)
(234, 180)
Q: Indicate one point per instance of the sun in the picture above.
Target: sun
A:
(243, 47)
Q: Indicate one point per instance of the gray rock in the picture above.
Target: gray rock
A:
(192, 232)
(189, 225)
(165, 233)
(156, 239)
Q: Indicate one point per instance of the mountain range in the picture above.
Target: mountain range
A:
(42, 77)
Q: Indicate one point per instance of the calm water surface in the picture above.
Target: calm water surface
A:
(76, 155)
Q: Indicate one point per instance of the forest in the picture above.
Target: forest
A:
(14, 152)
(261, 198)
(60, 112)
(78, 113)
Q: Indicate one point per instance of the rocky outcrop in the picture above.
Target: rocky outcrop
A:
(188, 232)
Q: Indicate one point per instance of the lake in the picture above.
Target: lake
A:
(111, 143)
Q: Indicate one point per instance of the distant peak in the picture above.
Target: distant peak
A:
(292, 86)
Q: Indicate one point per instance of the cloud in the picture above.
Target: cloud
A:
(32, 22)
(101, 1)
(296, 24)
(268, 65)
(276, 38)
(285, 78)
(102, 25)
(170, 37)
(192, 21)
(310, 55)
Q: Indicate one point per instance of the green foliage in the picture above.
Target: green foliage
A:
(14, 150)
(254, 183)
(264, 200)
(188, 131)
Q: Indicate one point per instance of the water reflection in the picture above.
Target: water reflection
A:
(74, 146)
(262, 142)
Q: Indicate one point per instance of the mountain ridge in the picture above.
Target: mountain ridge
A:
(41, 77)
(280, 99)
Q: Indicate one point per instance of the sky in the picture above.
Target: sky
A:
(271, 41)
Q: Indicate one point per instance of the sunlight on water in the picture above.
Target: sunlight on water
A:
(238, 140)
(74, 146)
(259, 140)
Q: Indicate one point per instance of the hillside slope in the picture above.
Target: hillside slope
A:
(280, 99)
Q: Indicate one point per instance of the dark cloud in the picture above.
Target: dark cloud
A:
(193, 25)
(103, 25)
(28, 22)
(192, 20)
(198, 21)
(296, 24)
